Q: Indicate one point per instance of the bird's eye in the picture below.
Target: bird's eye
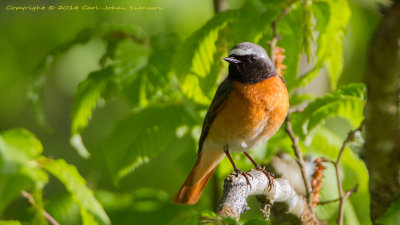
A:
(253, 58)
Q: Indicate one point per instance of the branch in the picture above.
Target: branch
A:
(342, 196)
(348, 193)
(328, 201)
(382, 133)
(300, 161)
(220, 6)
(31, 201)
(236, 192)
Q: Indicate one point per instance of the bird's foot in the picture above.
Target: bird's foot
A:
(269, 175)
(245, 175)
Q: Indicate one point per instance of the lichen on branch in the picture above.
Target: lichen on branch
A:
(237, 190)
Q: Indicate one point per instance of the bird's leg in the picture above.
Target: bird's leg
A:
(258, 167)
(237, 170)
(269, 175)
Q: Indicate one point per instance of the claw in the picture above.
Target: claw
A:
(269, 175)
(245, 175)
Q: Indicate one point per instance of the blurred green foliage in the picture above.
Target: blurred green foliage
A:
(129, 93)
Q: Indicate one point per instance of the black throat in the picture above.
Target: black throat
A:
(251, 74)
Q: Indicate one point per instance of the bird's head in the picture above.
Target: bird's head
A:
(249, 63)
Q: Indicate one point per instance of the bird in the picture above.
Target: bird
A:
(249, 107)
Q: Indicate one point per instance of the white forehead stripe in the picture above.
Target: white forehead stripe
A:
(249, 51)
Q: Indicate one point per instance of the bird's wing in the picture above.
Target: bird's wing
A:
(223, 91)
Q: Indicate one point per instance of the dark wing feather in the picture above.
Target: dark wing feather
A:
(223, 91)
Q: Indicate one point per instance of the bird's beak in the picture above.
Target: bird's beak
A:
(232, 60)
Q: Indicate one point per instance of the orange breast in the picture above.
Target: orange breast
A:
(251, 114)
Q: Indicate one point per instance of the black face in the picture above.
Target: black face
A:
(249, 68)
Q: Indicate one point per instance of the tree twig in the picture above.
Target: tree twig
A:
(31, 201)
(355, 189)
(237, 190)
(275, 36)
(300, 160)
(220, 6)
(344, 196)
(328, 201)
(382, 124)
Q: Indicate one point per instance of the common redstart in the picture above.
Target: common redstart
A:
(248, 108)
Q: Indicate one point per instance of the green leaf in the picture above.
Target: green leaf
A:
(244, 20)
(141, 199)
(149, 83)
(309, 76)
(37, 79)
(63, 208)
(76, 185)
(351, 215)
(111, 33)
(38, 207)
(256, 222)
(77, 142)
(356, 89)
(347, 102)
(332, 18)
(141, 136)
(86, 98)
(19, 145)
(205, 217)
(89, 93)
(139, 206)
(392, 215)
(10, 222)
(290, 31)
(19, 149)
(187, 220)
(196, 57)
(298, 99)
(308, 36)
(34, 92)
(87, 218)
(331, 30)
(130, 60)
(11, 187)
(279, 142)
(159, 72)
(93, 89)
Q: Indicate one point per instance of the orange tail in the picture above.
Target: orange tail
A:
(194, 185)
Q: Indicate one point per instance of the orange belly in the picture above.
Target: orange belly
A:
(250, 115)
